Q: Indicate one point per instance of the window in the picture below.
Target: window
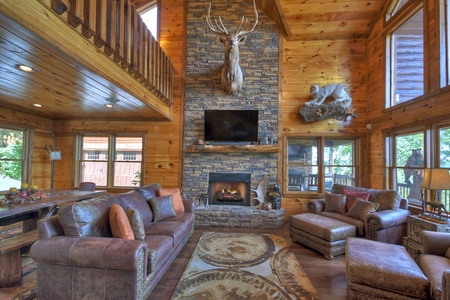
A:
(110, 160)
(315, 164)
(410, 153)
(407, 171)
(13, 157)
(150, 18)
(394, 8)
(405, 46)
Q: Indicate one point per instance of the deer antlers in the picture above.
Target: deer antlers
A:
(222, 29)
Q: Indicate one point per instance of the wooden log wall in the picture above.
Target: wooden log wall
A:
(432, 106)
(320, 62)
(163, 153)
(116, 27)
(41, 135)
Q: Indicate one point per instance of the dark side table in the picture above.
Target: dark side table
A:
(416, 225)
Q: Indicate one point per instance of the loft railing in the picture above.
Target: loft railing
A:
(116, 27)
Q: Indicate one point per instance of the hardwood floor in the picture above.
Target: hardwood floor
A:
(327, 276)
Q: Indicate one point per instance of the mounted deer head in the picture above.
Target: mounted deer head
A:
(231, 77)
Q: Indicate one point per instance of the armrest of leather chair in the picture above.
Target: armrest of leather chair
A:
(446, 285)
(189, 205)
(91, 252)
(435, 243)
(387, 218)
(316, 205)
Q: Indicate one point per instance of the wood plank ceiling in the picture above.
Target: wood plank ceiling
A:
(67, 90)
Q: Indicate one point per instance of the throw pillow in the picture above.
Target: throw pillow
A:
(361, 208)
(176, 198)
(335, 203)
(149, 191)
(447, 253)
(120, 226)
(162, 207)
(135, 219)
(352, 196)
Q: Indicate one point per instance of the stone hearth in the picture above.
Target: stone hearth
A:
(237, 217)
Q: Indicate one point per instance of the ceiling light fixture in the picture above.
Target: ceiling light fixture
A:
(112, 100)
(37, 105)
(25, 68)
(109, 105)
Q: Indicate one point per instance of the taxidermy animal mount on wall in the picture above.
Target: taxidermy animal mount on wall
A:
(317, 109)
(231, 77)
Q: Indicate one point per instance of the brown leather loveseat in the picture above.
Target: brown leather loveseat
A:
(387, 224)
(78, 258)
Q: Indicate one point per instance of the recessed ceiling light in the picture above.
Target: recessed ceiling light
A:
(109, 105)
(37, 105)
(25, 68)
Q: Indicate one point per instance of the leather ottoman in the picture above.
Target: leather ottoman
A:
(323, 234)
(377, 270)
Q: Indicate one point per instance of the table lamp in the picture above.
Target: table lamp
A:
(436, 179)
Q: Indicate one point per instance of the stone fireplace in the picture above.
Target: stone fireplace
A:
(229, 189)
(203, 91)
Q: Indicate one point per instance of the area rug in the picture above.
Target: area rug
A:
(237, 266)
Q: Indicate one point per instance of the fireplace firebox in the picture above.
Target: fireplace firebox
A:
(229, 189)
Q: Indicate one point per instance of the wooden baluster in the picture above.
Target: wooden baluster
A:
(76, 13)
(145, 50)
(134, 41)
(141, 50)
(89, 19)
(60, 6)
(120, 41)
(151, 67)
(111, 34)
(100, 31)
(127, 36)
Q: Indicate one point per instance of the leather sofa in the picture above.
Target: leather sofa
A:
(78, 258)
(387, 224)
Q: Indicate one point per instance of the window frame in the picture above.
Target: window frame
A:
(321, 166)
(110, 159)
(431, 154)
(403, 16)
(26, 151)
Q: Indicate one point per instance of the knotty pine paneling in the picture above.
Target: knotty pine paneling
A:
(41, 129)
(434, 104)
(320, 62)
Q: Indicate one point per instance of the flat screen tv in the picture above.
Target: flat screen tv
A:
(231, 126)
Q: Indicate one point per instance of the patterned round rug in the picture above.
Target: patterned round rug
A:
(235, 250)
(222, 284)
(237, 266)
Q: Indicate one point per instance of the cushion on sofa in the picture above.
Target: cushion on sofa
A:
(136, 223)
(135, 200)
(162, 208)
(159, 247)
(388, 199)
(352, 196)
(176, 198)
(347, 219)
(361, 208)
(87, 218)
(120, 225)
(149, 191)
(335, 203)
(175, 230)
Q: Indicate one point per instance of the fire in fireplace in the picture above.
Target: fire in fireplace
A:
(229, 189)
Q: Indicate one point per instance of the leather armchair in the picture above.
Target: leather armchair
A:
(435, 262)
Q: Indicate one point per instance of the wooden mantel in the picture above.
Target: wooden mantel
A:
(39, 17)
